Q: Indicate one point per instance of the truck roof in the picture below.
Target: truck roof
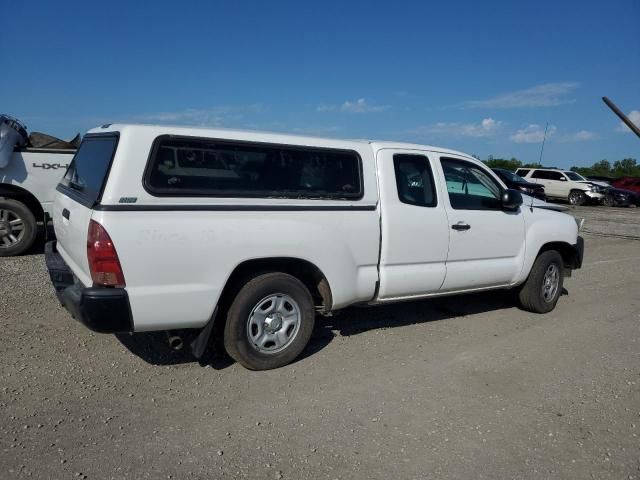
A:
(269, 137)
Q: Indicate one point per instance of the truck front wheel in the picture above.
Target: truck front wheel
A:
(577, 197)
(17, 227)
(543, 288)
(269, 322)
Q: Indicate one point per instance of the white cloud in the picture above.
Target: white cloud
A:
(545, 95)
(358, 106)
(583, 135)
(485, 128)
(634, 116)
(535, 134)
(214, 116)
(325, 108)
(532, 134)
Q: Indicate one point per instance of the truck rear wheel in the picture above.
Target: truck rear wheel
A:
(17, 227)
(543, 288)
(269, 322)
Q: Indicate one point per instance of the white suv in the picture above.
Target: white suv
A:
(163, 228)
(564, 185)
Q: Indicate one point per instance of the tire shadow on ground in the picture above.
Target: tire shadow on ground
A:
(357, 320)
(153, 347)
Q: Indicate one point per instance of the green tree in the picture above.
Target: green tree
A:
(584, 171)
(512, 164)
(627, 167)
(602, 168)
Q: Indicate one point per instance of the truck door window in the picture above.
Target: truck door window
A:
(414, 180)
(470, 187)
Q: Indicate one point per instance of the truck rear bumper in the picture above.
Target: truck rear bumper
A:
(103, 310)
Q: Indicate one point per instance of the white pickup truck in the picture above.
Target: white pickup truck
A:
(30, 168)
(163, 228)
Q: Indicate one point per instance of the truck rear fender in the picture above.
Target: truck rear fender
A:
(303, 270)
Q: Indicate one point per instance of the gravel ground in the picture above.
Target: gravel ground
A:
(468, 387)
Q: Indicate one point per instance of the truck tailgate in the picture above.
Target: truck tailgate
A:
(77, 193)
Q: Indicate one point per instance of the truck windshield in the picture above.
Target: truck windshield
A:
(88, 169)
(576, 177)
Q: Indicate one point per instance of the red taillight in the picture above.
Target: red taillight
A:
(103, 260)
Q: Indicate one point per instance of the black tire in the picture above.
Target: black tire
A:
(577, 197)
(532, 293)
(14, 242)
(608, 201)
(248, 299)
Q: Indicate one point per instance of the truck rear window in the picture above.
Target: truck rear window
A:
(87, 172)
(202, 167)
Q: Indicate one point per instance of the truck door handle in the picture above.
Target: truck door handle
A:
(65, 213)
(461, 226)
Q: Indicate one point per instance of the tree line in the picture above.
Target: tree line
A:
(627, 167)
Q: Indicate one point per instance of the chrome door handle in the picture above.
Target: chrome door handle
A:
(461, 226)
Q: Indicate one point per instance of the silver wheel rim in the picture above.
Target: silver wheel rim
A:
(550, 283)
(273, 323)
(573, 198)
(11, 228)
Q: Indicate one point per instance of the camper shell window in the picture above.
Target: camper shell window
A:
(186, 166)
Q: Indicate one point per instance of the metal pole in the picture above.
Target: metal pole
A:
(634, 128)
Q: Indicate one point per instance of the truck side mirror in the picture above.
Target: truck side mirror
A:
(511, 199)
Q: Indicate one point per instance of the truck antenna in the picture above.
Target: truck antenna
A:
(544, 138)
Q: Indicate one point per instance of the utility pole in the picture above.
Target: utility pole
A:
(634, 128)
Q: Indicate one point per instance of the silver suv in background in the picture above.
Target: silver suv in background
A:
(564, 185)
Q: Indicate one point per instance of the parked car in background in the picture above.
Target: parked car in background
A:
(627, 183)
(30, 168)
(619, 197)
(162, 228)
(516, 182)
(615, 197)
(564, 185)
(623, 192)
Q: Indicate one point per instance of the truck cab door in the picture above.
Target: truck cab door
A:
(486, 247)
(414, 227)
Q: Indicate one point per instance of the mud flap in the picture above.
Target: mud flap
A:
(201, 342)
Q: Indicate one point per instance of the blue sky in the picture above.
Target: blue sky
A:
(482, 77)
